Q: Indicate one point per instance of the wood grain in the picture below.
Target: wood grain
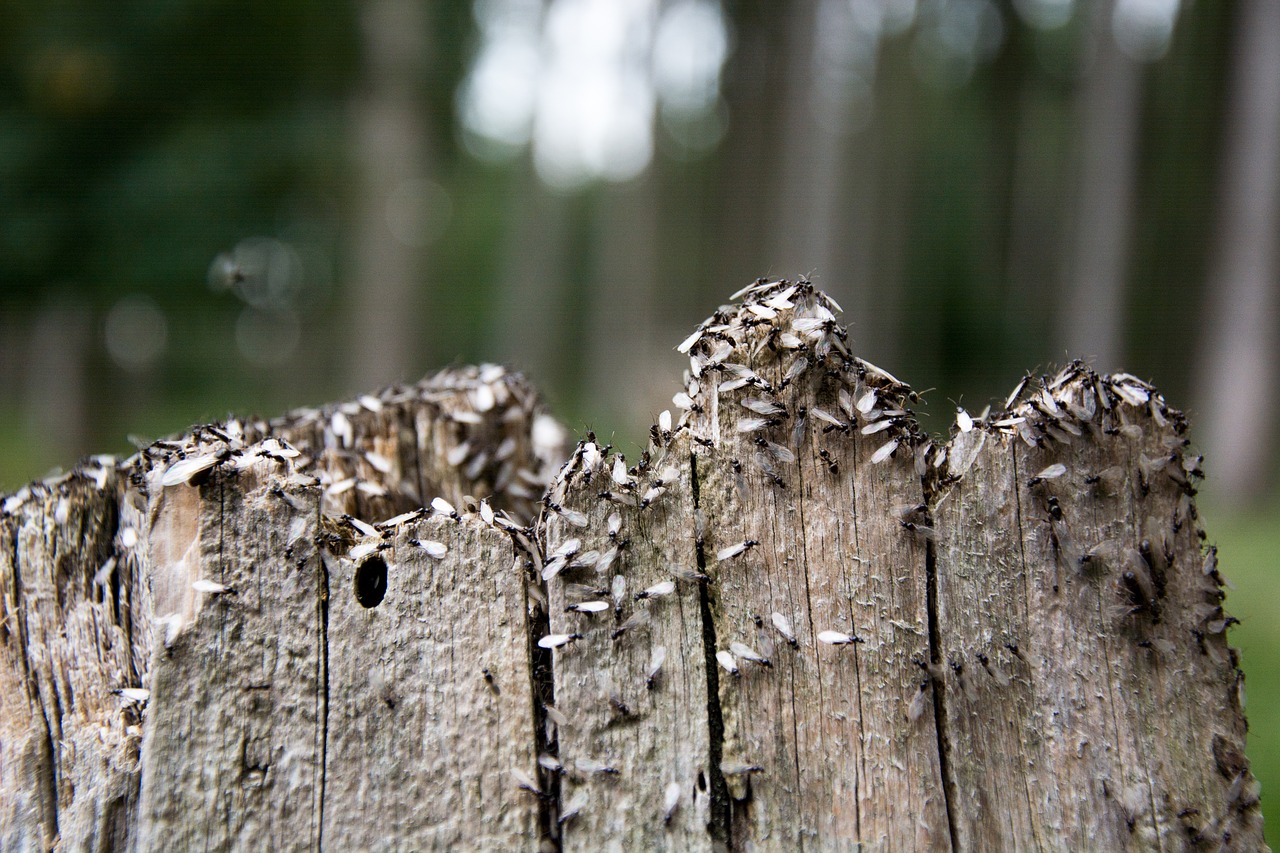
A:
(429, 696)
(1080, 710)
(791, 621)
(72, 632)
(655, 736)
(828, 725)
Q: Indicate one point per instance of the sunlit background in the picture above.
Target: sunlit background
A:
(213, 206)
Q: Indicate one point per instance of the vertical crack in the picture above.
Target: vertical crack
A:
(19, 610)
(1026, 588)
(861, 775)
(935, 661)
(322, 677)
(719, 825)
(50, 780)
(48, 759)
(542, 692)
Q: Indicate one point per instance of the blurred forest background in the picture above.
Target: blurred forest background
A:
(228, 205)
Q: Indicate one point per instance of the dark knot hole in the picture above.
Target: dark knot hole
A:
(371, 581)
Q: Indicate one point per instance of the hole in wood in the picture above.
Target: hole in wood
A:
(371, 581)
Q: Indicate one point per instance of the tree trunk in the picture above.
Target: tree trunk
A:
(532, 308)
(621, 344)
(1097, 267)
(392, 204)
(1238, 381)
(795, 620)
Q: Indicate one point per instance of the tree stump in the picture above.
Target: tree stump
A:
(794, 620)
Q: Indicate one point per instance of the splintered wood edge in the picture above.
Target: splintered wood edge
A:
(1072, 406)
(323, 447)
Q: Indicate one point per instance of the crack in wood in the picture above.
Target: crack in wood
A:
(721, 812)
(322, 694)
(459, 638)
(935, 659)
(49, 775)
(542, 691)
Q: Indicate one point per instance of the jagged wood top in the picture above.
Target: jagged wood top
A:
(771, 380)
(464, 432)
(780, 622)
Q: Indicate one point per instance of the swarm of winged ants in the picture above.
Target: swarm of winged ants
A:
(773, 401)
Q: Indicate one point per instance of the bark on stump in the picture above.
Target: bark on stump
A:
(795, 620)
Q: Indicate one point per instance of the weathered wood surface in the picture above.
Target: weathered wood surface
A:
(233, 750)
(796, 750)
(429, 694)
(74, 628)
(174, 644)
(791, 621)
(1091, 699)
(828, 724)
(630, 738)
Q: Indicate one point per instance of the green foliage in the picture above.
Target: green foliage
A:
(1249, 556)
(138, 140)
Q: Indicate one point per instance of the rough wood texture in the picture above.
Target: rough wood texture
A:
(143, 712)
(782, 460)
(430, 704)
(629, 737)
(1090, 697)
(234, 743)
(794, 621)
(73, 631)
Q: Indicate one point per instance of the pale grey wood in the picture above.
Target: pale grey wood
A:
(68, 743)
(300, 658)
(189, 659)
(653, 737)
(234, 742)
(430, 704)
(827, 725)
(233, 705)
(818, 745)
(1077, 713)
